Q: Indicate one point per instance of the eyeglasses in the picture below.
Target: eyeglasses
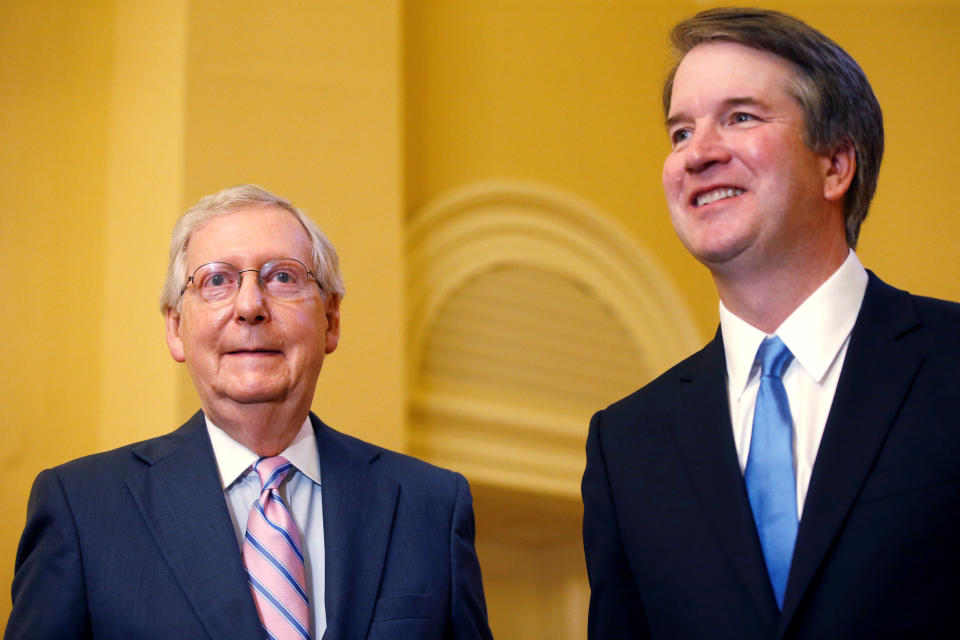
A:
(282, 279)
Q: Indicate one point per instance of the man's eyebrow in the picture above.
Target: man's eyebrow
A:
(674, 119)
(741, 101)
(737, 101)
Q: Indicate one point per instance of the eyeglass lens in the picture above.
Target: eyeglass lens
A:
(285, 279)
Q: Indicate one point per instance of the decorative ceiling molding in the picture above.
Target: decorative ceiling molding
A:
(528, 310)
(488, 224)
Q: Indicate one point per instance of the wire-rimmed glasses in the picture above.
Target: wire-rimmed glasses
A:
(282, 279)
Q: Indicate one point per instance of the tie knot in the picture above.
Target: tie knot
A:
(272, 471)
(774, 357)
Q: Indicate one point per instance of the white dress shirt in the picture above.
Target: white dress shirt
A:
(300, 490)
(817, 334)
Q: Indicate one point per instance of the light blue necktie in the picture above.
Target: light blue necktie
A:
(769, 476)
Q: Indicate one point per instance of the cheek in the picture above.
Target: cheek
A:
(201, 333)
(754, 155)
(763, 151)
(672, 176)
(309, 331)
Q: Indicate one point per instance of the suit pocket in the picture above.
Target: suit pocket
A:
(888, 486)
(406, 607)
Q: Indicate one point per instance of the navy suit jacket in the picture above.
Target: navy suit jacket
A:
(671, 546)
(138, 543)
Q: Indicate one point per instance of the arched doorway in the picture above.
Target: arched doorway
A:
(528, 311)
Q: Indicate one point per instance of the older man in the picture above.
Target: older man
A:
(800, 476)
(254, 519)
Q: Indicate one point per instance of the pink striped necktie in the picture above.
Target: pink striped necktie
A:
(274, 561)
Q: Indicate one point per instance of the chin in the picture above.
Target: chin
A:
(718, 258)
(715, 254)
(258, 398)
(256, 393)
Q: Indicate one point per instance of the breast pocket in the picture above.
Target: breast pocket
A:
(916, 488)
(406, 617)
(405, 607)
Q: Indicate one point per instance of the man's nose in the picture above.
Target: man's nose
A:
(250, 303)
(705, 148)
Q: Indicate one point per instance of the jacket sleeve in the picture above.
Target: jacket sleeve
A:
(49, 599)
(616, 608)
(468, 616)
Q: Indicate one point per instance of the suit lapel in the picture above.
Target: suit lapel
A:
(876, 377)
(180, 498)
(358, 511)
(701, 420)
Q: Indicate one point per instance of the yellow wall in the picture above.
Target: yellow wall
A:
(55, 64)
(144, 183)
(115, 115)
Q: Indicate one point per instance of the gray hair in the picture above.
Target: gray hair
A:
(230, 200)
(838, 103)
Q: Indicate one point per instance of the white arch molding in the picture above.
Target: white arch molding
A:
(507, 229)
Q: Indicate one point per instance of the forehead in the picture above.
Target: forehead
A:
(248, 237)
(729, 70)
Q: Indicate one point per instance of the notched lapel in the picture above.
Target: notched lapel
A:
(179, 496)
(877, 375)
(701, 420)
(358, 514)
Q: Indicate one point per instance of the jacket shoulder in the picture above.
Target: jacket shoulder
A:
(937, 311)
(662, 392)
(929, 325)
(129, 455)
(399, 466)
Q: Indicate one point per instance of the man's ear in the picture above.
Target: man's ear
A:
(174, 340)
(841, 167)
(332, 311)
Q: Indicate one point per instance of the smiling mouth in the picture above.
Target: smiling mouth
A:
(715, 195)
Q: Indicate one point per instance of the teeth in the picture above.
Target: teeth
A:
(716, 194)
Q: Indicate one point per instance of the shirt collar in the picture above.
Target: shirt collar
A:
(814, 332)
(234, 460)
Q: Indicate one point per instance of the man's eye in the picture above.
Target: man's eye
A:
(216, 279)
(283, 277)
(743, 117)
(679, 136)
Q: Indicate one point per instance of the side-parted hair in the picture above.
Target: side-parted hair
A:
(838, 103)
(245, 196)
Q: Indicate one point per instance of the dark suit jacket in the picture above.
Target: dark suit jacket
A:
(138, 543)
(671, 547)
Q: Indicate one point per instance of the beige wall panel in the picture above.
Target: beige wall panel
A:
(55, 61)
(138, 394)
(533, 570)
(304, 99)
